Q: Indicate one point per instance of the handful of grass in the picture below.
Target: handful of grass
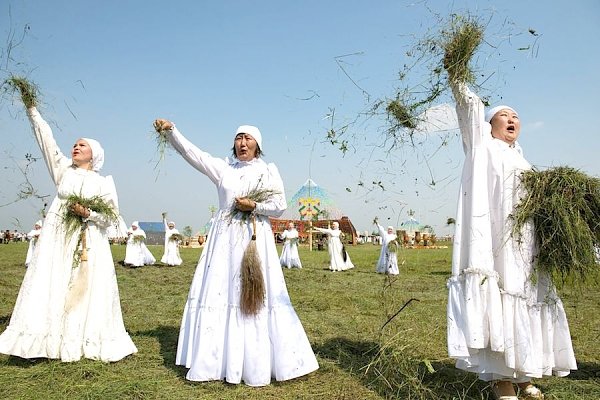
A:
(294, 241)
(162, 140)
(257, 194)
(74, 223)
(393, 246)
(460, 41)
(28, 91)
(138, 239)
(564, 206)
(176, 237)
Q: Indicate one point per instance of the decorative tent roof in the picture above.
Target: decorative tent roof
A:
(311, 202)
(411, 225)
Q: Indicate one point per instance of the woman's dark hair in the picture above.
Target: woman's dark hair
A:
(257, 154)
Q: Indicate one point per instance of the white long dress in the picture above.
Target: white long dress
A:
(33, 236)
(216, 340)
(289, 254)
(136, 251)
(388, 260)
(93, 328)
(171, 255)
(336, 250)
(502, 324)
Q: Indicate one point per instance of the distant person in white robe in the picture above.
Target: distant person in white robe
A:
(505, 320)
(339, 259)
(136, 251)
(289, 254)
(171, 253)
(388, 257)
(33, 236)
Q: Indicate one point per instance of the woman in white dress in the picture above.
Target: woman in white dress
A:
(68, 309)
(136, 251)
(217, 340)
(339, 259)
(289, 254)
(504, 323)
(388, 257)
(33, 236)
(171, 254)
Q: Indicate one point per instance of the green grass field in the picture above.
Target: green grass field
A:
(342, 313)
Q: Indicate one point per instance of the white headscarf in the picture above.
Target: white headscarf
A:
(97, 154)
(38, 223)
(492, 111)
(252, 131)
(136, 224)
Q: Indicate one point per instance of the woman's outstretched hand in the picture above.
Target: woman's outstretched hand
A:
(162, 125)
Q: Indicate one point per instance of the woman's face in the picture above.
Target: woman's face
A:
(506, 126)
(335, 225)
(171, 226)
(245, 147)
(133, 227)
(81, 153)
(291, 225)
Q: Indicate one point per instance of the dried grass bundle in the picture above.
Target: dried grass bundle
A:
(162, 140)
(252, 296)
(74, 222)
(176, 237)
(138, 239)
(258, 194)
(28, 91)
(393, 246)
(403, 115)
(460, 41)
(564, 206)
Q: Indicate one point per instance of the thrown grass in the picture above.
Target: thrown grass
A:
(564, 206)
(28, 91)
(460, 40)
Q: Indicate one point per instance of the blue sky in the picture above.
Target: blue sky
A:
(108, 69)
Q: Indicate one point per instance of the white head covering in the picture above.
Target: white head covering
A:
(492, 111)
(38, 223)
(136, 224)
(97, 154)
(252, 131)
(170, 223)
(390, 227)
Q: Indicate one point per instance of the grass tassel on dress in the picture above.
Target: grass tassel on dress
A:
(252, 297)
(79, 283)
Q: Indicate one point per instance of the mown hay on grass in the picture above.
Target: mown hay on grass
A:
(28, 91)
(564, 206)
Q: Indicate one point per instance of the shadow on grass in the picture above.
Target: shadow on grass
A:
(4, 320)
(395, 375)
(585, 371)
(167, 338)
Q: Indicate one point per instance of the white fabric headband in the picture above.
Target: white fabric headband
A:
(252, 131)
(492, 111)
(97, 154)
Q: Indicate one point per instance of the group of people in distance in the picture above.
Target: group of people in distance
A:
(137, 253)
(502, 325)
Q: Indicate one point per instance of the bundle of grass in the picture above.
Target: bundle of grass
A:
(258, 194)
(162, 128)
(29, 91)
(252, 296)
(176, 237)
(402, 114)
(460, 41)
(564, 206)
(74, 222)
(393, 246)
(138, 239)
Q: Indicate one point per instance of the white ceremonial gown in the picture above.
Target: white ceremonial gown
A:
(388, 260)
(216, 340)
(502, 324)
(171, 255)
(93, 328)
(136, 251)
(289, 254)
(336, 250)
